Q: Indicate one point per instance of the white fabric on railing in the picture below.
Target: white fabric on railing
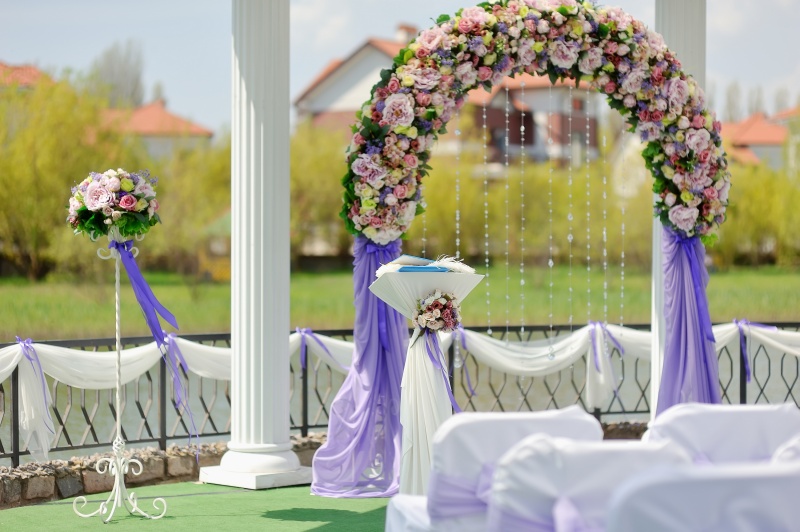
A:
(96, 370)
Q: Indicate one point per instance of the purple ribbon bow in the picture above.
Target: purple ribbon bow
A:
(593, 325)
(304, 347)
(30, 353)
(743, 341)
(174, 359)
(434, 351)
(151, 307)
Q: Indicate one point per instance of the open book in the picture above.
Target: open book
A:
(410, 263)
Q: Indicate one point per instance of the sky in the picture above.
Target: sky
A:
(186, 43)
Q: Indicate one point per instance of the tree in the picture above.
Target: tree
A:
(317, 166)
(755, 100)
(49, 140)
(733, 103)
(158, 92)
(118, 72)
(781, 99)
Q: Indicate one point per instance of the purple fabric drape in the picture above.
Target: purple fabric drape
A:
(361, 457)
(691, 372)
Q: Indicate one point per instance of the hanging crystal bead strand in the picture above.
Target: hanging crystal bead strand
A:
(506, 179)
(622, 246)
(522, 156)
(550, 261)
(485, 138)
(569, 211)
(588, 213)
(605, 233)
(458, 360)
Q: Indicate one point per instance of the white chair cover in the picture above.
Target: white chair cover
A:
(754, 497)
(727, 433)
(561, 485)
(465, 449)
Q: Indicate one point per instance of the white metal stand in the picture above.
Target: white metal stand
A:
(118, 465)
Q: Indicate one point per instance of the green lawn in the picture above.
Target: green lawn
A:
(196, 507)
(61, 309)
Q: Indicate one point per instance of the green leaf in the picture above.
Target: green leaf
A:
(602, 30)
(407, 56)
(442, 19)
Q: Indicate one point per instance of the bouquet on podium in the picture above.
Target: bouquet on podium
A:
(430, 294)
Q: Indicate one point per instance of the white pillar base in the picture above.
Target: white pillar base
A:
(255, 481)
(257, 467)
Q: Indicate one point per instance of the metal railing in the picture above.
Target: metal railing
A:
(84, 419)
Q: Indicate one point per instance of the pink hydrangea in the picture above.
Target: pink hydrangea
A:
(399, 110)
(563, 54)
(683, 217)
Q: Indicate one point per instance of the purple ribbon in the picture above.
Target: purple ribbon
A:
(565, 517)
(151, 307)
(30, 353)
(593, 325)
(743, 341)
(432, 340)
(692, 248)
(385, 254)
(304, 347)
(460, 332)
(174, 359)
(450, 496)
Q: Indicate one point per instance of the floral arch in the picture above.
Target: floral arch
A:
(390, 154)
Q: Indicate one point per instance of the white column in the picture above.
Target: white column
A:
(260, 452)
(683, 25)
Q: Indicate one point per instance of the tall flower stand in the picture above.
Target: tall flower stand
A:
(118, 465)
(426, 400)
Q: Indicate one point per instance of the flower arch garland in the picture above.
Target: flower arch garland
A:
(389, 156)
(561, 39)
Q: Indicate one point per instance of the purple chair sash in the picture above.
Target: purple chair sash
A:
(175, 361)
(450, 496)
(565, 518)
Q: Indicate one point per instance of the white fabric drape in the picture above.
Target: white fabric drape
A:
(96, 370)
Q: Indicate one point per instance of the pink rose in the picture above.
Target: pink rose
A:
(411, 160)
(656, 116)
(153, 207)
(670, 199)
(684, 218)
(375, 222)
(423, 99)
(128, 202)
(400, 191)
(704, 156)
(698, 121)
(393, 85)
(484, 73)
(465, 26)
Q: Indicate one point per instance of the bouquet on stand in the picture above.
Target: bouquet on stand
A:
(122, 206)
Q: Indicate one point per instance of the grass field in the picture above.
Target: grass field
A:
(62, 309)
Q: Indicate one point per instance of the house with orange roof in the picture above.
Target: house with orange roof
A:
(567, 114)
(21, 76)
(760, 139)
(161, 131)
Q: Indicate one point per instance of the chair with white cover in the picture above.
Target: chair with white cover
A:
(727, 433)
(465, 450)
(744, 497)
(561, 485)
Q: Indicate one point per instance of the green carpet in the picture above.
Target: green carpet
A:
(201, 507)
